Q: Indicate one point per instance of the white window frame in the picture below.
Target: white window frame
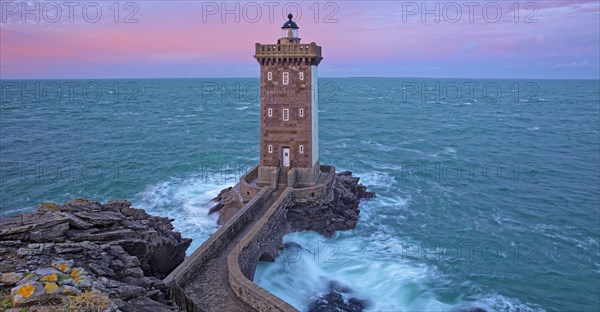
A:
(301, 149)
(269, 76)
(301, 75)
(270, 112)
(286, 78)
(270, 149)
(301, 112)
(286, 114)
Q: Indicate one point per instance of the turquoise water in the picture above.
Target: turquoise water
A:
(487, 190)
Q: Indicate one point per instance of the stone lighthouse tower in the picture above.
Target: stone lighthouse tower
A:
(289, 128)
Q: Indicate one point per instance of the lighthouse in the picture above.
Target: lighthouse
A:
(289, 123)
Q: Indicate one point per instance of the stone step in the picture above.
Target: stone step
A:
(282, 178)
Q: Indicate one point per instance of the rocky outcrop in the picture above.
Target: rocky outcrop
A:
(229, 202)
(338, 211)
(123, 251)
(333, 213)
(338, 298)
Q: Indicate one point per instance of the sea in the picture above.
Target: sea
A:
(488, 190)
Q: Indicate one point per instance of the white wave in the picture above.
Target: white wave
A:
(377, 268)
(386, 283)
(188, 201)
(533, 128)
(447, 151)
(242, 108)
(125, 114)
(413, 150)
(498, 302)
(379, 146)
(378, 179)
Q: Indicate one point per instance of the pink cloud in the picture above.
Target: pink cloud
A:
(175, 34)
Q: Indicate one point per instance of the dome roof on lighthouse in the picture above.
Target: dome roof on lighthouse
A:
(290, 23)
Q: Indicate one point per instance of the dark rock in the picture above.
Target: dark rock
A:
(143, 305)
(54, 233)
(229, 202)
(134, 213)
(79, 204)
(127, 291)
(101, 270)
(79, 235)
(216, 208)
(67, 248)
(133, 272)
(369, 195)
(119, 205)
(337, 212)
(75, 221)
(125, 249)
(109, 235)
(100, 217)
(333, 301)
(143, 281)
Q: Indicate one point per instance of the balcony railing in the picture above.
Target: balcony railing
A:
(288, 50)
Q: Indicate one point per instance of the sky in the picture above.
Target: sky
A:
(169, 39)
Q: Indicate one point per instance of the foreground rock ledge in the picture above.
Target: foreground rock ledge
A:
(123, 251)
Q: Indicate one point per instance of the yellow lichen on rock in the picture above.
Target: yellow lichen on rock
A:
(50, 288)
(26, 290)
(24, 294)
(63, 266)
(48, 206)
(49, 278)
(75, 275)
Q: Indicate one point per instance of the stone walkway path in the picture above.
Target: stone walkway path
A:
(210, 286)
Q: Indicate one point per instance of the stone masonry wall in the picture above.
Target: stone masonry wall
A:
(294, 96)
(262, 242)
(246, 189)
(210, 248)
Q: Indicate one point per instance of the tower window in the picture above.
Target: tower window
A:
(286, 78)
(301, 112)
(301, 149)
(286, 114)
(270, 76)
(301, 75)
(270, 112)
(270, 148)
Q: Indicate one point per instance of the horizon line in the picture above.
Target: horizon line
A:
(326, 77)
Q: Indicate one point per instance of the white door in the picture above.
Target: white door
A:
(286, 156)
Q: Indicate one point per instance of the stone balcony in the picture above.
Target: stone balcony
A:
(309, 51)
